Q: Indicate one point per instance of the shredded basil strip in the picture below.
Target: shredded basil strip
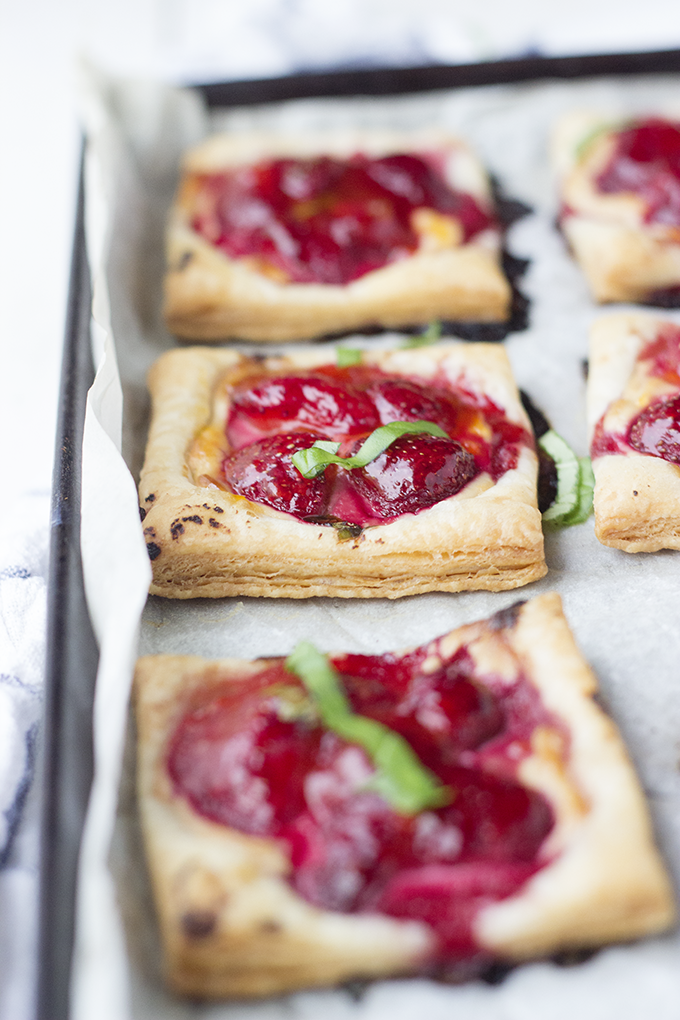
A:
(312, 461)
(401, 778)
(346, 356)
(586, 485)
(430, 336)
(574, 499)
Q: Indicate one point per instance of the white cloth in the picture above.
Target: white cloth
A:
(23, 587)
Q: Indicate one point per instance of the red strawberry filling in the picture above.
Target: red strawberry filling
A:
(646, 161)
(413, 473)
(271, 417)
(656, 430)
(252, 755)
(327, 220)
(265, 473)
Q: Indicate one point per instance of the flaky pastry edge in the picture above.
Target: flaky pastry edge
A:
(637, 497)
(207, 542)
(210, 297)
(623, 258)
(232, 926)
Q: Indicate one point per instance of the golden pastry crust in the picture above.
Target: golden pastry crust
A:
(205, 541)
(231, 924)
(623, 258)
(209, 296)
(637, 497)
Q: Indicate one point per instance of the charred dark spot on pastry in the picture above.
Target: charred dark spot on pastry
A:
(271, 926)
(601, 702)
(506, 618)
(343, 529)
(150, 531)
(153, 550)
(213, 523)
(150, 498)
(184, 260)
(142, 513)
(585, 368)
(635, 492)
(669, 297)
(194, 518)
(574, 957)
(198, 924)
(218, 509)
(176, 528)
(356, 989)
(496, 973)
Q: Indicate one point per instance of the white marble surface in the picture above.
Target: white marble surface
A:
(177, 40)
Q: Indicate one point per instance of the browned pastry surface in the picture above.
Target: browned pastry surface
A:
(209, 296)
(232, 925)
(637, 497)
(206, 541)
(623, 258)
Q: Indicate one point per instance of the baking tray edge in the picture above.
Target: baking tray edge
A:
(72, 655)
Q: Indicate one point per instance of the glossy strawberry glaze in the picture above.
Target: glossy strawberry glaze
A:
(268, 414)
(327, 220)
(240, 760)
(646, 162)
(656, 430)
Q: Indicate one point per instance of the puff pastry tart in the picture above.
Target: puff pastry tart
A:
(621, 204)
(290, 843)
(448, 505)
(634, 417)
(285, 238)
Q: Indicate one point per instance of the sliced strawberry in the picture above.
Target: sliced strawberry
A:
(415, 472)
(656, 431)
(405, 400)
(265, 473)
(300, 402)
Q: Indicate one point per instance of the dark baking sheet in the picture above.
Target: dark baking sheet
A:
(71, 655)
(71, 648)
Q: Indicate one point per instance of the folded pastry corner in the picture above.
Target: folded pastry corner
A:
(228, 511)
(634, 421)
(280, 850)
(276, 237)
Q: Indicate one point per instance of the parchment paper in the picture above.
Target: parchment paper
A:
(623, 609)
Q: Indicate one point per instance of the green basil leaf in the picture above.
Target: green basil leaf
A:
(586, 485)
(573, 503)
(345, 356)
(430, 336)
(312, 461)
(568, 474)
(400, 777)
